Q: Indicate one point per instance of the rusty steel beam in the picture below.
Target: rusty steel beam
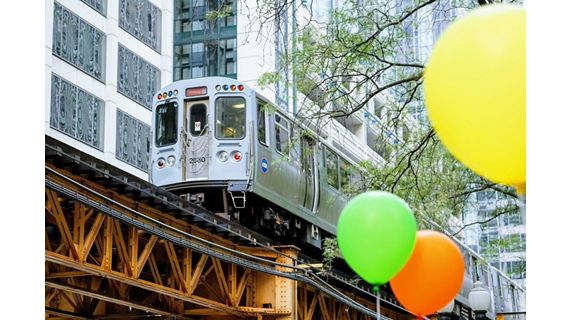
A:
(143, 284)
(102, 297)
(177, 274)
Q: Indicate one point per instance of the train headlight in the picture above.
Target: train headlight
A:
(236, 155)
(170, 161)
(223, 156)
(218, 87)
(160, 163)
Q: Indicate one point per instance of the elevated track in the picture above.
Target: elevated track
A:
(118, 247)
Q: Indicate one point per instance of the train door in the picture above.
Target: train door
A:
(196, 140)
(308, 166)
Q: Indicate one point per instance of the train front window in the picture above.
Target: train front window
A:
(166, 124)
(230, 118)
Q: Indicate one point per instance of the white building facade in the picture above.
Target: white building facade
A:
(104, 61)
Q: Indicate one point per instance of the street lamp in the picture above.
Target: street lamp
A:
(480, 300)
(445, 312)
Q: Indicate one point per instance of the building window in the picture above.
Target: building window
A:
(137, 78)
(76, 112)
(515, 269)
(142, 20)
(204, 39)
(192, 15)
(203, 59)
(78, 42)
(98, 5)
(483, 242)
(133, 141)
(512, 219)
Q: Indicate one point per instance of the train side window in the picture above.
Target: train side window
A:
(261, 133)
(282, 129)
(331, 161)
(344, 174)
(356, 178)
(295, 144)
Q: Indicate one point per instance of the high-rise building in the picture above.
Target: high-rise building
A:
(104, 61)
(501, 240)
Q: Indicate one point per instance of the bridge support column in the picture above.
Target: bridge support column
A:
(278, 292)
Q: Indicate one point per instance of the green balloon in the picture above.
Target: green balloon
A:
(376, 235)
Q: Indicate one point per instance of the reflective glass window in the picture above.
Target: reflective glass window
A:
(282, 134)
(78, 42)
(198, 119)
(261, 129)
(344, 174)
(141, 19)
(76, 112)
(166, 124)
(133, 141)
(230, 118)
(331, 160)
(137, 78)
(98, 5)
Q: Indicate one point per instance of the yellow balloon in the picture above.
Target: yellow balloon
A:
(475, 91)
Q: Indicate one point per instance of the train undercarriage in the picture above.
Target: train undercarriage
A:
(254, 212)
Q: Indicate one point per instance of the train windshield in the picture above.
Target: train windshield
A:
(166, 124)
(230, 118)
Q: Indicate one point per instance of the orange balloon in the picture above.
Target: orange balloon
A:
(432, 277)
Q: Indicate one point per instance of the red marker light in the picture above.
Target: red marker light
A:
(160, 163)
(159, 96)
(237, 156)
(240, 87)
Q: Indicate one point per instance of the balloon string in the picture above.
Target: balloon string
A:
(377, 290)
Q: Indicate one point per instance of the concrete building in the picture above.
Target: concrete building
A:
(104, 61)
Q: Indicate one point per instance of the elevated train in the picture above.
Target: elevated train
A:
(219, 143)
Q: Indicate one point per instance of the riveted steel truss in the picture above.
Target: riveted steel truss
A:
(102, 261)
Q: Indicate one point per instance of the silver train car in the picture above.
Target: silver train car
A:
(220, 144)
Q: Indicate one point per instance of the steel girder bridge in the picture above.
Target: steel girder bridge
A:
(118, 249)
